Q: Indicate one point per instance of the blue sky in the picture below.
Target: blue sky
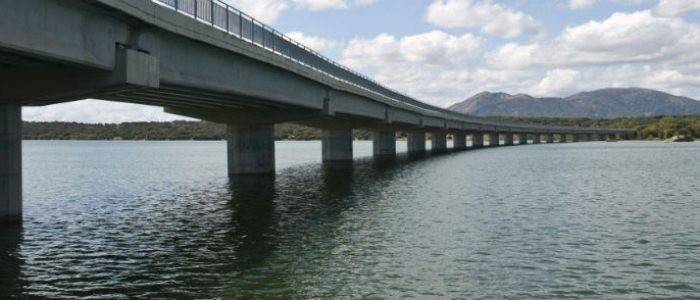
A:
(443, 51)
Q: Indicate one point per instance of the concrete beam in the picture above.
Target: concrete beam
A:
(439, 141)
(251, 149)
(10, 163)
(416, 142)
(336, 144)
(459, 140)
(384, 143)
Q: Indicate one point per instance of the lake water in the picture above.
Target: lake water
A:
(162, 220)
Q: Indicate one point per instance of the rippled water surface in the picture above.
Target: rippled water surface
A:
(162, 220)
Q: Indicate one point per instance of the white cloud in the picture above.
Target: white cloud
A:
(318, 5)
(429, 65)
(266, 11)
(557, 82)
(316, 43)
(269, 11)
(622, 38)
(673, 8)
(490, 17)
(97, 111)
(581, 4)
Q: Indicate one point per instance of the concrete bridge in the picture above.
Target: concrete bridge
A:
(203, 59)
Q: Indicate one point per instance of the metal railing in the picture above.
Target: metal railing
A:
(242, 26)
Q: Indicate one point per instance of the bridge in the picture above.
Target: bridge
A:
(207, 60)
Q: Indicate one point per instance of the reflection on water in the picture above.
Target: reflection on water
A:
(543, 221)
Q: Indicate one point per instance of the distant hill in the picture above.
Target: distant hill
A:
(599, 104)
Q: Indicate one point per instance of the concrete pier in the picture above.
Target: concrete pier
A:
(494, 139)
(477, 140)
(251, 149)
(537, 138)
(550, 138)
(508, 139)
(575, 138)
(384, 143)
(337, 144)
(562, 138)
(416, 142)
(522, 139)
(459, 140)
(439, 141)
(10, 163)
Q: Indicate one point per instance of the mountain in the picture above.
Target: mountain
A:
(599, 104)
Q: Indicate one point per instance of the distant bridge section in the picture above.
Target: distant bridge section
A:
(205, 59)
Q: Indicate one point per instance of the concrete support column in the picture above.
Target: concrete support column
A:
(384, 143)
(459, 140)
(439, 141)
(10, 163)
(251, 149)
(562, 138)
(550, 138)
(416, 142)
(337, 144)
(477, 140)
(522, 139)
(508, 139)
(536, 138)
(494, 139)
(575, 138)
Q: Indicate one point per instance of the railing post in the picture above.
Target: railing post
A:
(196, 4)
(177, 5)
(240, 25)
(228, 27)
(211, 6)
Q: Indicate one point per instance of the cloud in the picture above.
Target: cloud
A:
(269, 11)
(266, 11)
(318, 5)
(426, 65)
(491, 18)
(623, 38)
(316, 43)
(581, 4)
(557, 82)
(97, 111)
(674, 8)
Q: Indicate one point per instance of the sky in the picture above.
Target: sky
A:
(444, 51)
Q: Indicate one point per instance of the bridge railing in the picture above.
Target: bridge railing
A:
(240, 25)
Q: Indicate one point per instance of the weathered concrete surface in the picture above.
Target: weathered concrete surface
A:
(439, 140)
(337, 144)
(251, 149)
(10, 163)
(384, 143)
(459, 140)
(416, 142)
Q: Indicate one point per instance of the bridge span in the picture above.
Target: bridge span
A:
(207, 60)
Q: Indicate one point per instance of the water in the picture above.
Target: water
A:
(162, 220)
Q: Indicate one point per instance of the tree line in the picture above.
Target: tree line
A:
(648, 127)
